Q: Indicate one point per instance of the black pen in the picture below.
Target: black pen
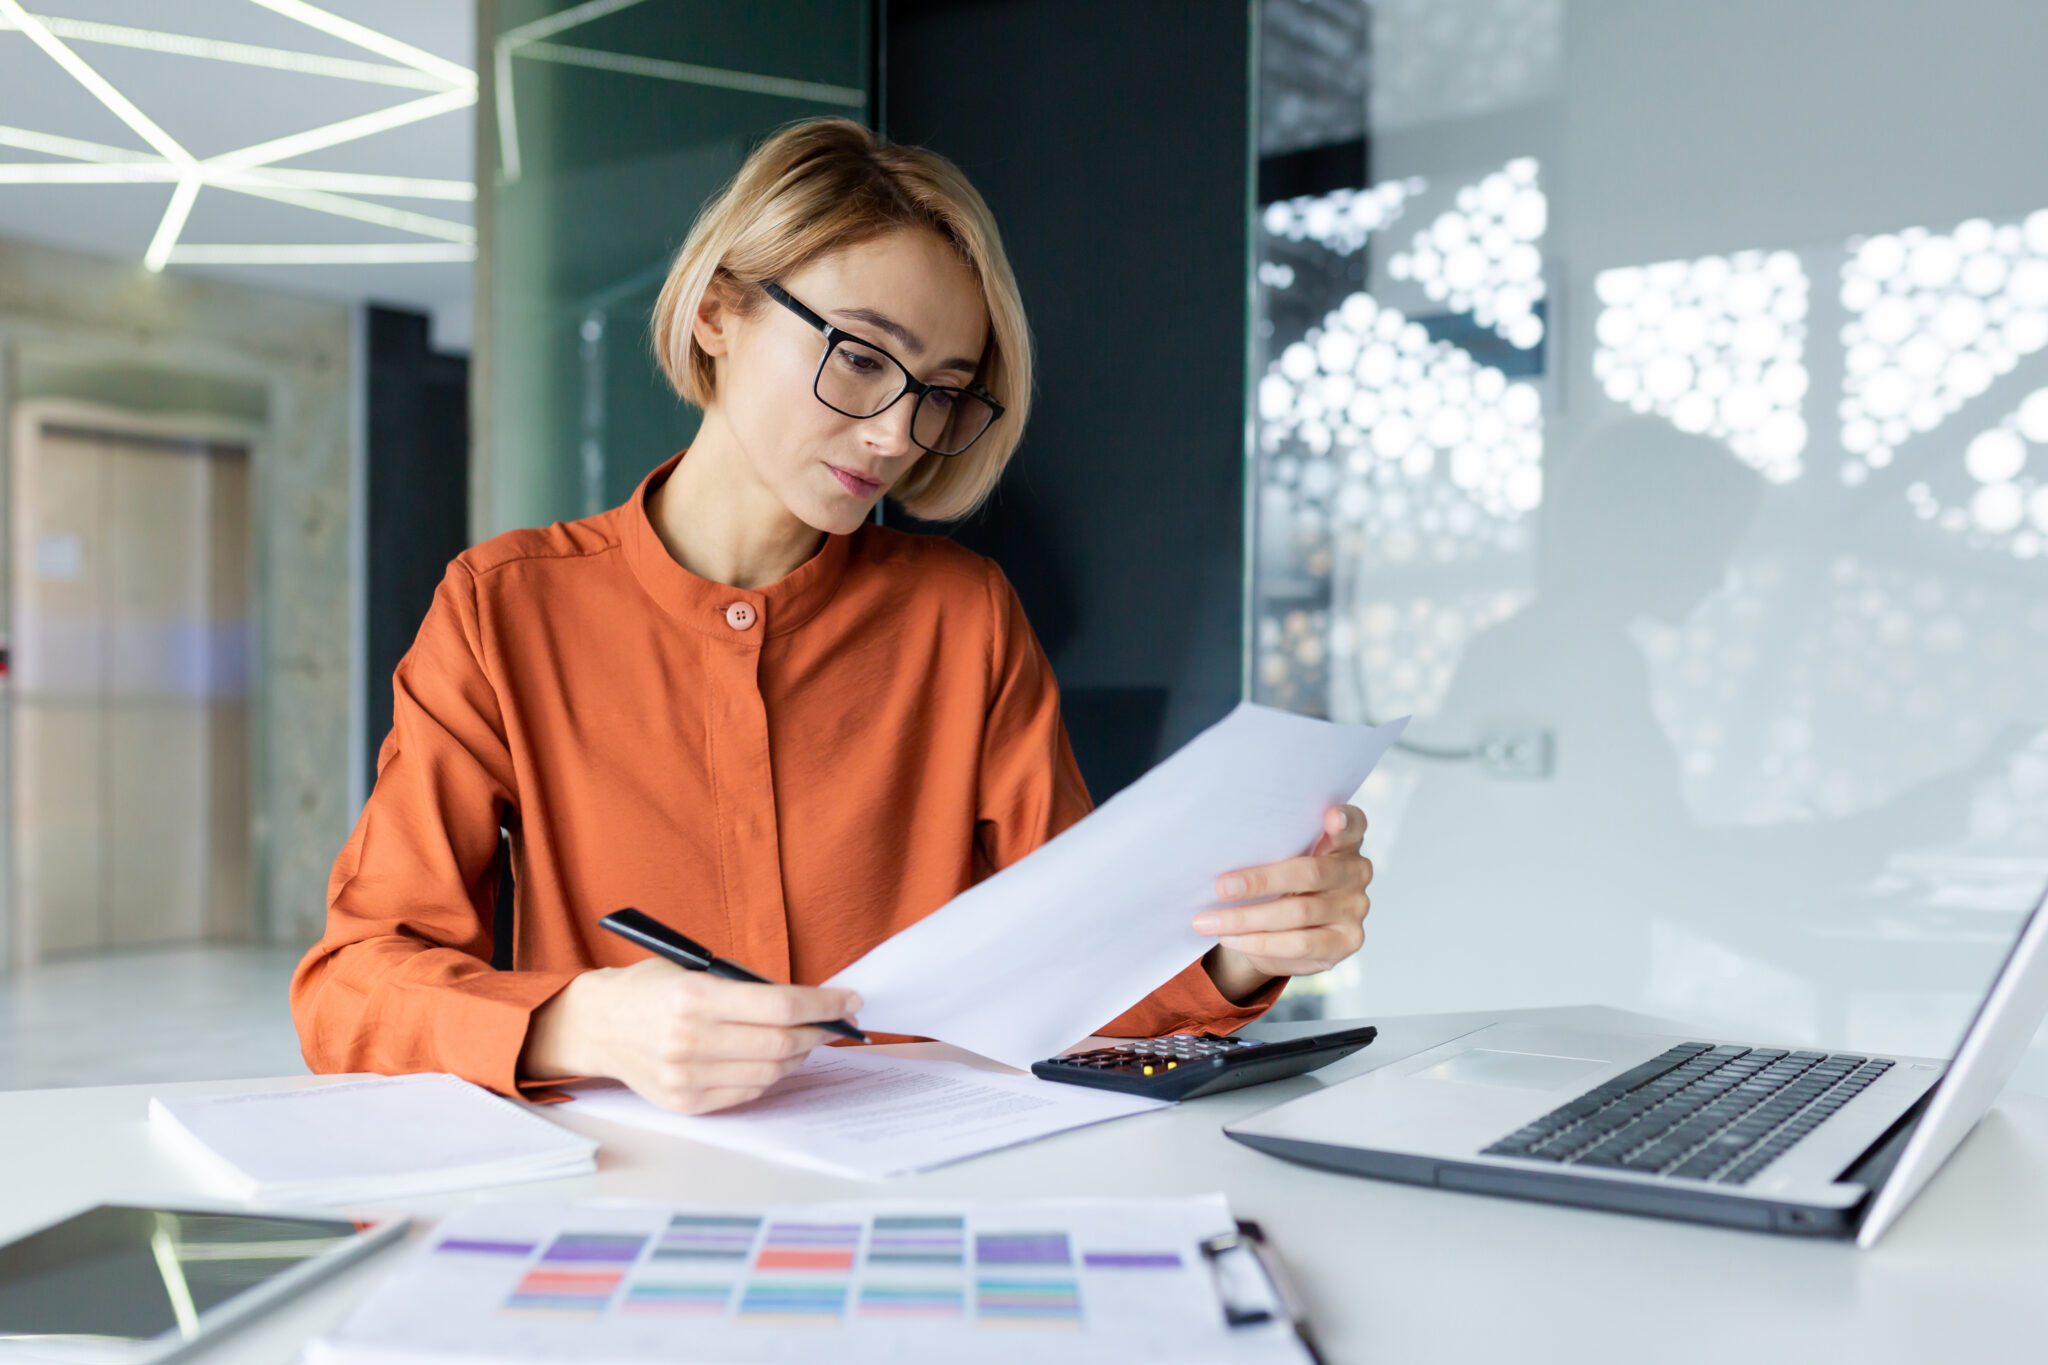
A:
(662, 941)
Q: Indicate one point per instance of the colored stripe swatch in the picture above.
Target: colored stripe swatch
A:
(575, 1291)
(809, 1246)
(1022, 1248)
(794, 1300)
(657, 1296)
(1037, 1300)
(1132, 1260)
(483, 1248)
(918, 1241)
(689, 1238)
(603, 1248)
(912, 1301)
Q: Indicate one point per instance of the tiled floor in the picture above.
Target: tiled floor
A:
(183, 1014)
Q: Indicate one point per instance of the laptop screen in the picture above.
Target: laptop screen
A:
(1990, 1051)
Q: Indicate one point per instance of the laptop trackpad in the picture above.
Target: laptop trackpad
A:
(1513, 1070)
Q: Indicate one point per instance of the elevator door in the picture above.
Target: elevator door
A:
(130, 572)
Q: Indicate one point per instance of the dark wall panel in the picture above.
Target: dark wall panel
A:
(418, 456)
(1111, 141)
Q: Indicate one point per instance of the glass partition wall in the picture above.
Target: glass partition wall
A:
(1652, 400)
(604, 127)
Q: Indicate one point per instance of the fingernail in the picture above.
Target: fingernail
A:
(1206, 924)
(853, 1004)
(1230, 886)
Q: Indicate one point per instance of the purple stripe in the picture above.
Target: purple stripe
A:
(900, 1240)
(1136, 1260)
(572, 1246)
(488, 1248)
(1021, 1249)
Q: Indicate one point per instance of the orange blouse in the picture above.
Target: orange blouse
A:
(789, 775)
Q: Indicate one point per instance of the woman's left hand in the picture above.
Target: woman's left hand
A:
(1314, 919)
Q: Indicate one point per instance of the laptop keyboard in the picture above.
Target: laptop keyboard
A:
(1698, 1112)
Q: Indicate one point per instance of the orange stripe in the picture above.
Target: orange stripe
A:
(570, 1279)
(805, 1260)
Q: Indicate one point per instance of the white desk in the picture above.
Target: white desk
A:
(1391, 1273)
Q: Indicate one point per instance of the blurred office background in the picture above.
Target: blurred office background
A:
(1651, 400)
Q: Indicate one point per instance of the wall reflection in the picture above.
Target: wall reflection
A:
(1717, 345)
(1934, 320)
(1730, 492)
(1385, 445)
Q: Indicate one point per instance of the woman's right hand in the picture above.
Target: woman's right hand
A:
(685, 1040)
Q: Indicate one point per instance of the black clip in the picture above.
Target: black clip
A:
(1250, 1239)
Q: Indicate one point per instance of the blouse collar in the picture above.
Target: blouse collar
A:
(777, 609)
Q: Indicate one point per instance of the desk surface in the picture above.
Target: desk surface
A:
(1390, 1273)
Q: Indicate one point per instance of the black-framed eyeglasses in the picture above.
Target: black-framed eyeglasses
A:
(859, 379)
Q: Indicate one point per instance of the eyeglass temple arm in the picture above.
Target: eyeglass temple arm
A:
(783, 297)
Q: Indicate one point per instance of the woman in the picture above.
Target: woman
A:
(738, 704)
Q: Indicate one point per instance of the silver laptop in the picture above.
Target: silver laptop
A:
(1779, 1139)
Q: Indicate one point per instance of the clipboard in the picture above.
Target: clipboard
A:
(1253, 1287)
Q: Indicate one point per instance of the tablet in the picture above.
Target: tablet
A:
(122, 1285)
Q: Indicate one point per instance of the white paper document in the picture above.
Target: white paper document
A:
(1039, 956)
(353, 1141)
(867, 1113)
(1073, 1281)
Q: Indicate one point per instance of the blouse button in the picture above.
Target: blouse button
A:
(740, 615)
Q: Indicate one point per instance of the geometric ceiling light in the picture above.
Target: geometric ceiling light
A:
(95, 163)
(1935, 319)
(369, 39)
(188, 180)
(251, 170)
(1715, 344)
(244, 54)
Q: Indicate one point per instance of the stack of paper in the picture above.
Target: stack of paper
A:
(1070, 1282)
(386, 1138)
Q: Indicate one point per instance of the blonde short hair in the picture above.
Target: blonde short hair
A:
(818, 186)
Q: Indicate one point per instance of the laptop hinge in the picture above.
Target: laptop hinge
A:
(1874, 1167)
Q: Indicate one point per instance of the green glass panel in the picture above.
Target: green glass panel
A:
(614, 133)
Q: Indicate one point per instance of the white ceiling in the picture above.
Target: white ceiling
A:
(209, 105)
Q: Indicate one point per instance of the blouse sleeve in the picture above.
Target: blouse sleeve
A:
(1031, 790)
(402, 980)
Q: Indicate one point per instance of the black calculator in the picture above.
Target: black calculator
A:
(1183, 1066)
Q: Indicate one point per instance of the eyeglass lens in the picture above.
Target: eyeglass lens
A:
(861, 381)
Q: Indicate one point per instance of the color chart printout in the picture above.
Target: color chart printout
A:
(1076, 1281)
